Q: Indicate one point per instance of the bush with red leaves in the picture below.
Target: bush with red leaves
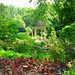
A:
(30, 66)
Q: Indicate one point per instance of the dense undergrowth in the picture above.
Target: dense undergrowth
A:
(24, 48)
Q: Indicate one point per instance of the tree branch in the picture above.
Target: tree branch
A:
(54, 17)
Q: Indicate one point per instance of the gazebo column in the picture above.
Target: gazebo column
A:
(44, 34)
(32, 33)
(35, 33)
(41, 34)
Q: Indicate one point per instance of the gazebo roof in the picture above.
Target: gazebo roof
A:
(38, 24)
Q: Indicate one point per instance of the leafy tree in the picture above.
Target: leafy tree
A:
(68, 32)
(63, 8)
(7, 28)
(25, 13)
(28, 30)
(11, 12)
(20, 23)
(27, 16)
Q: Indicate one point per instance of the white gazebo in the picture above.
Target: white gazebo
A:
(39, 25)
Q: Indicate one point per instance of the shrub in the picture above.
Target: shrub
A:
(56, 47)
(72, 68)
(7, 28)
(24, 46)
(68, 32)
(69, 72)
(20, 46)
(23, 36)
(12, 55)
(28, 30)
(20, 23)
(7, 32)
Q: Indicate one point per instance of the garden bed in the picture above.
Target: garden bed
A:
(30, 66)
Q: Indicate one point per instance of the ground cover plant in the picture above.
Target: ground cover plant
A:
(31, 66)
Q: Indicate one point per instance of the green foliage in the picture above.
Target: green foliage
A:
(27, 15)
(26, 45)
(56, 16)
(11, 12)
(25, 36)
(41, 12)
(69, 8)
(20, 23)
(2, 11)
(12, 54)
(53, 36)
(18, 19)
(49, 31)
(23, 15)
(28, 30)
(68, 32)
(7, 29)
(69, 72)
(20, 46)
(72, 68)
(22, 36)
(56, 47)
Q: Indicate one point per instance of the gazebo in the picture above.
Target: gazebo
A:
(39, 25)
